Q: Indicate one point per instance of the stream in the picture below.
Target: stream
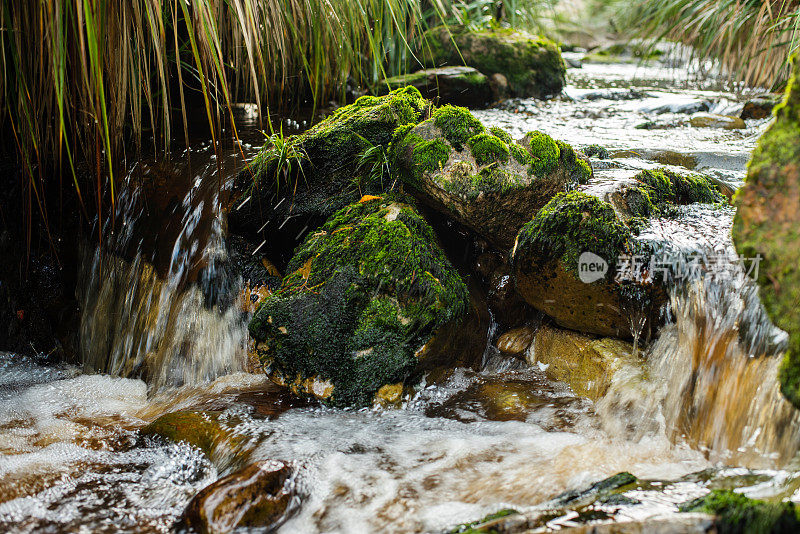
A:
(699, 409)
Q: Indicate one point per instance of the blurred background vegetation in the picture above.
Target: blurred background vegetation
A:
(88, 81)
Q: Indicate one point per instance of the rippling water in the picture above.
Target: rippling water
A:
(702, 410)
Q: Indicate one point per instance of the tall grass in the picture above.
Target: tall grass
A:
(751, 39)
(82, 79)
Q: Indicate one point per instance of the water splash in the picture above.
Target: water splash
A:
(160, 297)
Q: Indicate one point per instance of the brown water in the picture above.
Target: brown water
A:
(700, 409)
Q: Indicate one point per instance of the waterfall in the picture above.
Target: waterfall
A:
(160, 299)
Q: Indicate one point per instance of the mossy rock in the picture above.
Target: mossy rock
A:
(491, 524)
(533, 66)
(736, 514)
(481, 177)
(761, 106)
(295, 184)
(460, 86)
(658, 191)
(365, 293)
(545, 262)
(260, 496)
(767, 224)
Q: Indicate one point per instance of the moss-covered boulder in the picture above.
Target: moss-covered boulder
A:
(260, 496)
(364, 295)
(658, 192)
(297, 182)
(767, 224)
(578, 228)
(461, 86)
(533, 66)
(481, 177)
(578, 260)
(736, 514)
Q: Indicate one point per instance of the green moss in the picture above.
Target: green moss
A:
(544, 152)
(667, 188)
(597, 151)
(487, 148)
(457, 124)
(364, 293)
(533, 66)
(573, 223)
(502, 134)
(485, 525)
(321, 168)
(431, 155)
(737, 514)
(766, 224)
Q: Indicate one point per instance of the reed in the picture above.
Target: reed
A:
(752, 40)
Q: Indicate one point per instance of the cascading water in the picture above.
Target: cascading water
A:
(159, 297)
(714, 367)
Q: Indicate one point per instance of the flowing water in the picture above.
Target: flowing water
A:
(698, 409)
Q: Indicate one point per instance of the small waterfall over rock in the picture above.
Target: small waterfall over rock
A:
(710, 377)
(160, 298)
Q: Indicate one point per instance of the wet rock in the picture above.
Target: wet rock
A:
(584, 363)
(482, 178)
(584, 295)
(766, 224)
(600, 489)
(517, 340)
(693, 524)
(532, 65)
(295, 183)
(363, 295)
(487, 523)
(658, 191)
(711, 120)
(736, 513)
(627, 52)
(260, 496)
(596, 151)
(461, 86)
(760, 107)
(203, 430)
(508, 308)
(688, 108)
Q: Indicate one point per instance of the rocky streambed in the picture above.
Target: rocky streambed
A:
(525, 318)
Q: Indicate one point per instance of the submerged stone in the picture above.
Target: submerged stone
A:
(767, 224)
(712, 120)
(364, 294)
(483, 178)
(532, 65)
(260, 496)
(203, 430)
(461, 86)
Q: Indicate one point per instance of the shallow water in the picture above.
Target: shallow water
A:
(701, 411)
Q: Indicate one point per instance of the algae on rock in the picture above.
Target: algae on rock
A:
(532, 66)
(364, 295)
(303, 179)
(482, 178)
(767, 226)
